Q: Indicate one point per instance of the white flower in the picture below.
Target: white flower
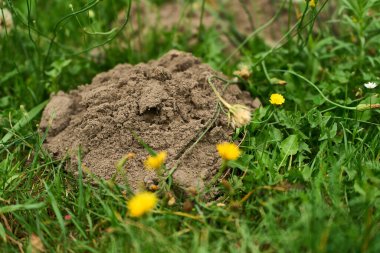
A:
(243, 72)
(370, 85)
(241, 115)
(6, 21)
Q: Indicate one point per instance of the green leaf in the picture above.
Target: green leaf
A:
(289, 146)
(57, 67)
(304, 147)
(242, 163)
(307, 173)
(5, 77)
(3, 234)
(4, 101)
(23, 121)
(55, 206)
(329, 133)
(12, 208)
(314, 117)
(275, 135)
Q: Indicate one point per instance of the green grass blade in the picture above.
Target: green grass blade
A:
(56, 210)
(3, 234)
(23, 121)
(18, 207)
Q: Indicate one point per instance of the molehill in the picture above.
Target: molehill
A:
(167, 103)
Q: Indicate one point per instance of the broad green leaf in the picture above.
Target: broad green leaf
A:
(307, 172)
(314, 117)
(275, 134)
(289, 146)
(329, 132)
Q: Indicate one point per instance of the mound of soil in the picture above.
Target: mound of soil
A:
(167, 103)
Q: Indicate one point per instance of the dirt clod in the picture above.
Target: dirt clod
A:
(166, 103)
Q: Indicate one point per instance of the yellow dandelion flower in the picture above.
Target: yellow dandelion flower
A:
(312, 3)
(228, 151)
(142, 203)
(155, 162)
(276, 99)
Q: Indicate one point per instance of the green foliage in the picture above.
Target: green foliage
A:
(307, 181)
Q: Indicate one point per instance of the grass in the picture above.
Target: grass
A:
(309, 177)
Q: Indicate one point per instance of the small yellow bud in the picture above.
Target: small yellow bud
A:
(154, 187)
(278, 81)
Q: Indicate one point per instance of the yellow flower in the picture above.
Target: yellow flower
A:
(155, 162)
(228, 151)
(312, 3)
(142, 203)
(276, 99)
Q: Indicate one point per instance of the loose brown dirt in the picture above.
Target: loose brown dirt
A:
(166, 103)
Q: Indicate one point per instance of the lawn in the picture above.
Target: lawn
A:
(307, 175)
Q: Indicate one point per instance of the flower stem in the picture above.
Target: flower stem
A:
(319, 91)
(220, 172)
(224, 102)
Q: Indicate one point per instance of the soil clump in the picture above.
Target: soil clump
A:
(165, 102)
